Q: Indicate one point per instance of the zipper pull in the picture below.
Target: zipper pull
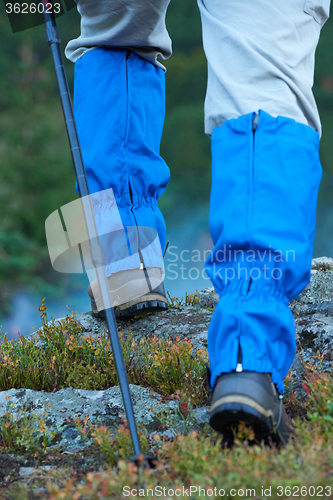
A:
(239, 367)
(255, 122)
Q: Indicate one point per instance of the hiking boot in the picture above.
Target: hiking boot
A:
(131, 292)
(252, 398)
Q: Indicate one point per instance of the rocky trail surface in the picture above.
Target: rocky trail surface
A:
(313, 316)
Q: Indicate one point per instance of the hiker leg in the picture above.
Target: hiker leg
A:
(119, 105)
(265, 130)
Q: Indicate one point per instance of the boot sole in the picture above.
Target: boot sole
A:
(226, 415)
(151, 304)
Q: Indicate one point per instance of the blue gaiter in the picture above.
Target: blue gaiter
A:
(119, 106)
(265, 179)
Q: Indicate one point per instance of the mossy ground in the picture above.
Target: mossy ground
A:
(194, 457)
(325, 266)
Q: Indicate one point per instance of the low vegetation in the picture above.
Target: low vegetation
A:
(62, 356)
(189, 456)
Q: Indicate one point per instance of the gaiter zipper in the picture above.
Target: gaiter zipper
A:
(239, 367)
(254, 128)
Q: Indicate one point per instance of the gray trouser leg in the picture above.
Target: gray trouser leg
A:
(261, 56)
(135, 24)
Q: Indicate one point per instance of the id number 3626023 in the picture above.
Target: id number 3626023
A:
(32, 8)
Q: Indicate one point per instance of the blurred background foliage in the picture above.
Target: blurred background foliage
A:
(37, 176)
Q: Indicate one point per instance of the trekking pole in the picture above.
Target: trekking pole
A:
(96, 250)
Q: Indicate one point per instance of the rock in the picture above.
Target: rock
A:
(322, 261)
(8, 468)
(27, 471)
(319, 290)
(102, 407)
(183, 322)
(208, 297)
(313, 316)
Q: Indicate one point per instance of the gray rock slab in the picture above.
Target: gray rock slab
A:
(101, 408)
(28, 471)
(313, 316)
